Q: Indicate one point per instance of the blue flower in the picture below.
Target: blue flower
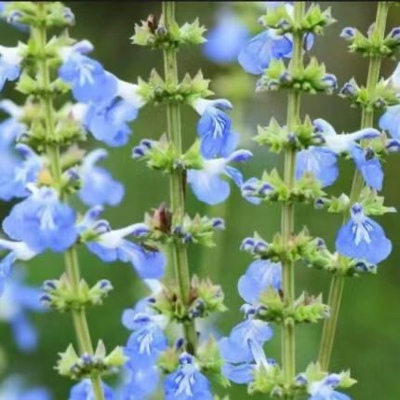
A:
(362, 238)
(42, 221)
(84, 391)
(225, 40)
(20, 172)
(111, 245)
(12, 388)
(147, 340)
(344, 142)
(98, 185)
(87, 77)
(187, 383)
(257, 54)
(251, 329)
(214, 128)
(130, 92)
(11, 129)
(207, 183)
(10, 64)
(17, 251)
(369, 166)
(325, 389)
(259, 276)
(390, 121)
(107, 122)
(319, 161)
(141, 383)
(241, 370)
(16, 299)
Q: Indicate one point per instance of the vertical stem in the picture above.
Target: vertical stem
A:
(177, 179)
(287, 218)
(53, 152)
(367, 120)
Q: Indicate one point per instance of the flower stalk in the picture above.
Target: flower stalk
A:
(367, 119)
(53, 152)
(287, 219)
(177, 178)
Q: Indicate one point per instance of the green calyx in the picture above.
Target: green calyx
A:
(311, 78)
(314, 21)
(87, 366)
(156, 35)
(162, 156)
(375, 44)
(279, 138)
(370, 200)
(205, 299)
(156, 90)
(60, 295)
(272, 188)
(28, 13)
(197, 230)
(379, 97)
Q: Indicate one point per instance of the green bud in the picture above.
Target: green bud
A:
(157, 36)
(60, 295)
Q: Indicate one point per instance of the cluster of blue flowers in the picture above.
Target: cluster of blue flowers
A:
(360, 238)
(43, 220)
(37, 138)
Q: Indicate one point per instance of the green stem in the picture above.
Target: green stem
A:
(367, 120)
(177, 179)
(53, 153)
(287, 219)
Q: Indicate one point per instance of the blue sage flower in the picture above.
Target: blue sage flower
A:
(111, 245)
(147, 340)
(321, 161)
(187, 383)
(214, 128)
(390, 121)
(15, 302)
(369, 166)
(225, 40)
(87, 77)
(10, 64)
(241, 371)
(344, 142)
(11, 129)
(325, 389)
(257, 54)
(207, 183)
(20, 173)
(363, 238)
(98, 185)
(42, 221)
(107, 122)
(84, 391)
(260, 275)
(140, 383)
(235, 348)
(12, 388)
(17, 251)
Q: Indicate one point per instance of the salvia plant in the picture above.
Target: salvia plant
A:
(59, 190)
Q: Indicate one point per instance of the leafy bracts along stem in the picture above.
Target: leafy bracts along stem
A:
(53, 152)
(177, 180)
(287, 221)
(367, 119)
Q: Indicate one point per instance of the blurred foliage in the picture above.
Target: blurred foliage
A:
(367, 339)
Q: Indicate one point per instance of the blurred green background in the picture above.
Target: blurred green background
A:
(368, 335)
